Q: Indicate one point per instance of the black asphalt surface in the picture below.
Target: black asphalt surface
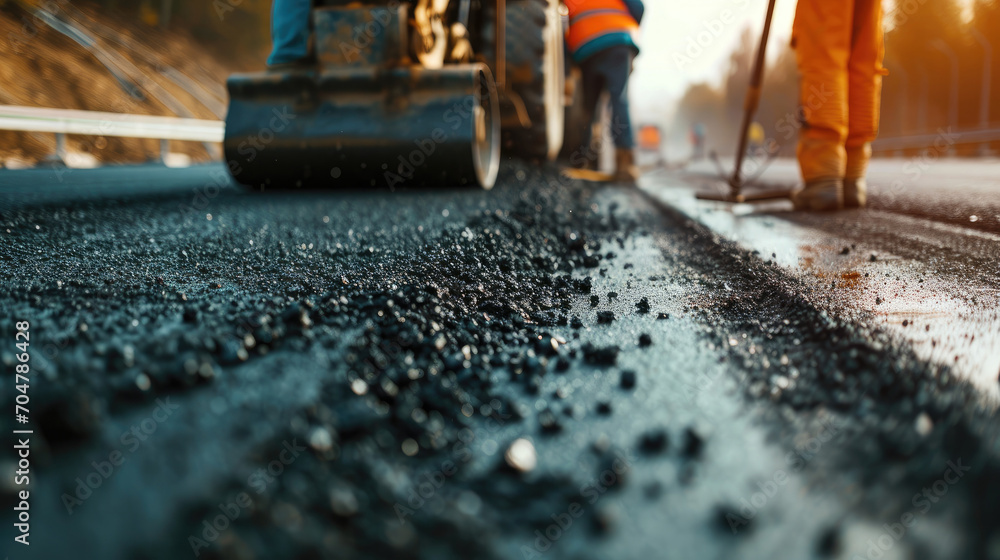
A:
(547, 369)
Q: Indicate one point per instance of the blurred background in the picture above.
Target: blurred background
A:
(171, 57)
(928, 43)
(151, 57)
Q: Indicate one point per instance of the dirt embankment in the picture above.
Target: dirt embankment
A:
(131, 68)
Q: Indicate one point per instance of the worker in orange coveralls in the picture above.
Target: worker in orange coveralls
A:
(839, 46)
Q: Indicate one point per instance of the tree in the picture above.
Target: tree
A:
(916, 93)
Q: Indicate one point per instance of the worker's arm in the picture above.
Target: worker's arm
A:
(635, 8)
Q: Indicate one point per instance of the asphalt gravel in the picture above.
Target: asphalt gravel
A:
(546, 369)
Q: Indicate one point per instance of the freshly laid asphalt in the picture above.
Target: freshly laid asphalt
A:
(918, 262)
(344, 374)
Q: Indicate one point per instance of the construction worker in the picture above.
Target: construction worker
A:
(755, 140)
(602, 40)
(839, 47)
(289, 33)
(697, 141)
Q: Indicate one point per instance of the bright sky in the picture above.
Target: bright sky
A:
(710, 29)
(672, 31)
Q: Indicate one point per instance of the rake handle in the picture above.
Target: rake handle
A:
(752, 101)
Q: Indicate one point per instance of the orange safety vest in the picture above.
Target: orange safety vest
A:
(591, 19)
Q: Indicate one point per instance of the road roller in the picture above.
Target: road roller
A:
(403, 93)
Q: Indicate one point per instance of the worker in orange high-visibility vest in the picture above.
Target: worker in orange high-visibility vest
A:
(601, 38)
(839, 46)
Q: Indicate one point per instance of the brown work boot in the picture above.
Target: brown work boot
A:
(855, 193)
(625, 169)
(821, 195)
(584, 163)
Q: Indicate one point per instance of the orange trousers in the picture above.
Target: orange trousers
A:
(839, 47)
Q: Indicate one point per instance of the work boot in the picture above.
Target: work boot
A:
(855, 193)
(821, 195)
(625, 169)
(583, 163)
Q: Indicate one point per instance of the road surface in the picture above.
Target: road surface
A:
(549, 369)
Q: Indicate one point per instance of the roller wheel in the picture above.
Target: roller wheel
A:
(536, 74)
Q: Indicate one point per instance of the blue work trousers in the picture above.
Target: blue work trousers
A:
(289, 31)
(609, 70)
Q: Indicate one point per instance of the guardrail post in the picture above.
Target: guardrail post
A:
(61, 146)
(924, 95)
(58, 158)
(94, 123)
(984, 99)
(166, 9)
(953, 102)
(904, 106)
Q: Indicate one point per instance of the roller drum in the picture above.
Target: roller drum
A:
(364, 128)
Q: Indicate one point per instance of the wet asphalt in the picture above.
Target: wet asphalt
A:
(929, 276)
(929, 185)
(546, 369)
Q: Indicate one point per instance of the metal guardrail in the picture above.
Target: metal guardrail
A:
(943, 139)
(93, 123)
(66, 121)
